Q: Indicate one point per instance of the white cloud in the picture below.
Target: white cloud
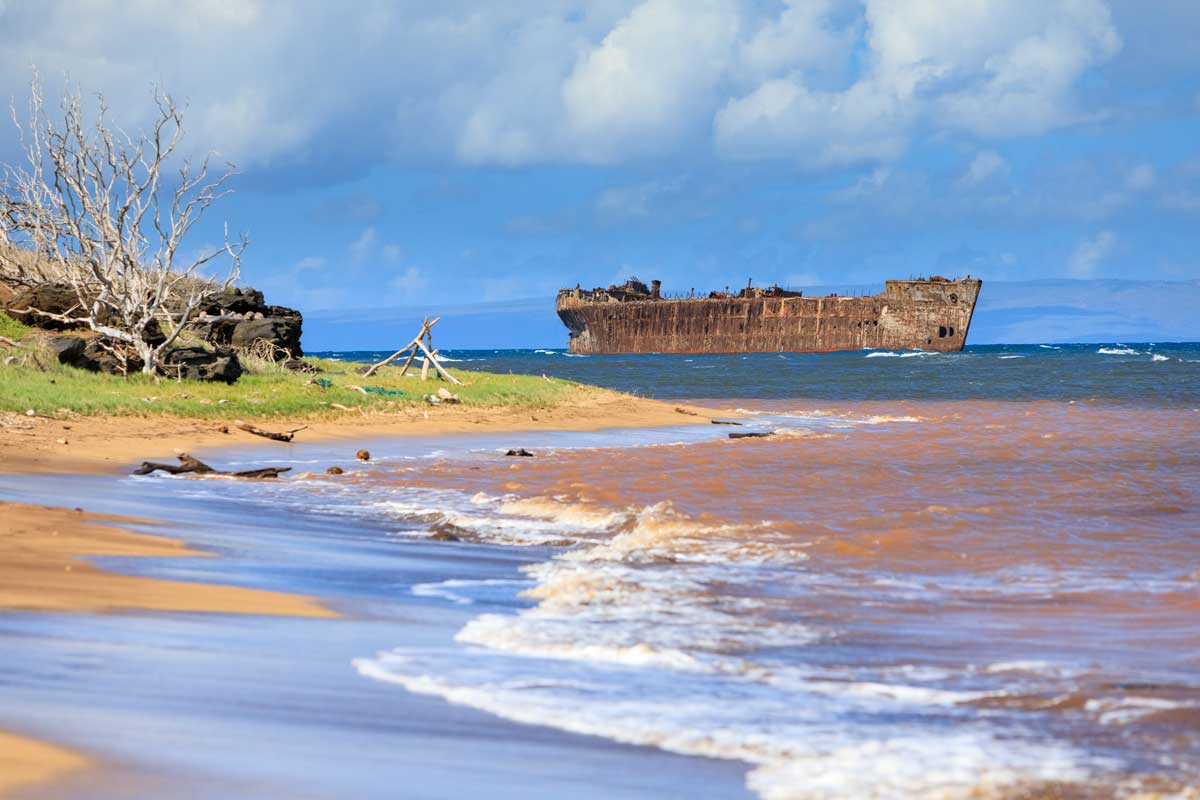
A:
(992, 68)
(820, 82)
(985, 165)
(631, 202)
(362, 247)
(649, 83)
(801, 36)
(1090, 253)
(308, 264)
(405, 286)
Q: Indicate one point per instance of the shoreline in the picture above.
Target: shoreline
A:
(106, 444)
(44, 566)
(26, 761)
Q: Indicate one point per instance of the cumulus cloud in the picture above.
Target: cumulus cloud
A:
(1090, 253)
(993, 68)
(633, 202)
(985, 165)
(818, 82)
(407, 285)
(649, 83)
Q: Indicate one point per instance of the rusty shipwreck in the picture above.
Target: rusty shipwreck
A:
(924, 314)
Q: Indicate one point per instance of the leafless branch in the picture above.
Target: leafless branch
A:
(95, 209)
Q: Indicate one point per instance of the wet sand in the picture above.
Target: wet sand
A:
(187, 705)
(42, 567)
(43, 549)
(25, 762)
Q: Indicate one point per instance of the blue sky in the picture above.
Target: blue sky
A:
(417, 155)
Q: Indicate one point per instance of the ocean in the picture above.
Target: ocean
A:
(964, 575)
(944, 573)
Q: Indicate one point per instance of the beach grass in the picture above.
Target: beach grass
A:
(12, 329)
(61, 391)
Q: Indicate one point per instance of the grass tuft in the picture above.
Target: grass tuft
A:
(12, 329)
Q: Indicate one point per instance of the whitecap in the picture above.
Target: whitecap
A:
(1118, 351)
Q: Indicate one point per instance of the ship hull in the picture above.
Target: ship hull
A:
(908, 315)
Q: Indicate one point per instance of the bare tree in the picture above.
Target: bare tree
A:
(106, 213)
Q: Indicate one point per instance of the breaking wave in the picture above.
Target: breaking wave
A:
(906, 354)
(628, 638)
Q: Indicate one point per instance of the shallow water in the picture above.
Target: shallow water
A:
(916, 599)
(971, 575)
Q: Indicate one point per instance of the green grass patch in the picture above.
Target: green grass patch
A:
(63, 390)
(10, 328)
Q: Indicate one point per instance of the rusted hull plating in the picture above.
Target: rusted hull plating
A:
(908, 315)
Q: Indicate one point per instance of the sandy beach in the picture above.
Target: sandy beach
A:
(42, 568)
(45, 551)
(25, 762)
(111, 443)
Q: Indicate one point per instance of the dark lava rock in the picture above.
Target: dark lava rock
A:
(198, 364)
(67, 349)
(50, 297)
(334, 471)
(279, 325)
(363, 455)
(281, 331)
(237, 301)
(444, 536)
(97, 359)
(523, 453)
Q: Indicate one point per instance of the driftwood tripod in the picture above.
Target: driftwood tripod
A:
(423, 343)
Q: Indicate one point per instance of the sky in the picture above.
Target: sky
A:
(481, 155)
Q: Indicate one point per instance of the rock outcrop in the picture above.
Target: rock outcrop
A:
(198, 364)
(240, 318)
(52, 298)
(89, 353)
(233, 319)
(189, 363)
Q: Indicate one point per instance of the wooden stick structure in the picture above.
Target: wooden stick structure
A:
(422, 343)
(425, 326)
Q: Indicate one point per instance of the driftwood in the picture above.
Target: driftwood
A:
(187, 464)
(752, 435)
(421, 343)
(724, 422)
(425, 326)
(7, 341)
(286, 436)
(679, 410)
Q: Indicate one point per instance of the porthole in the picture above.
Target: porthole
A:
(941, 331)
(953, 297)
